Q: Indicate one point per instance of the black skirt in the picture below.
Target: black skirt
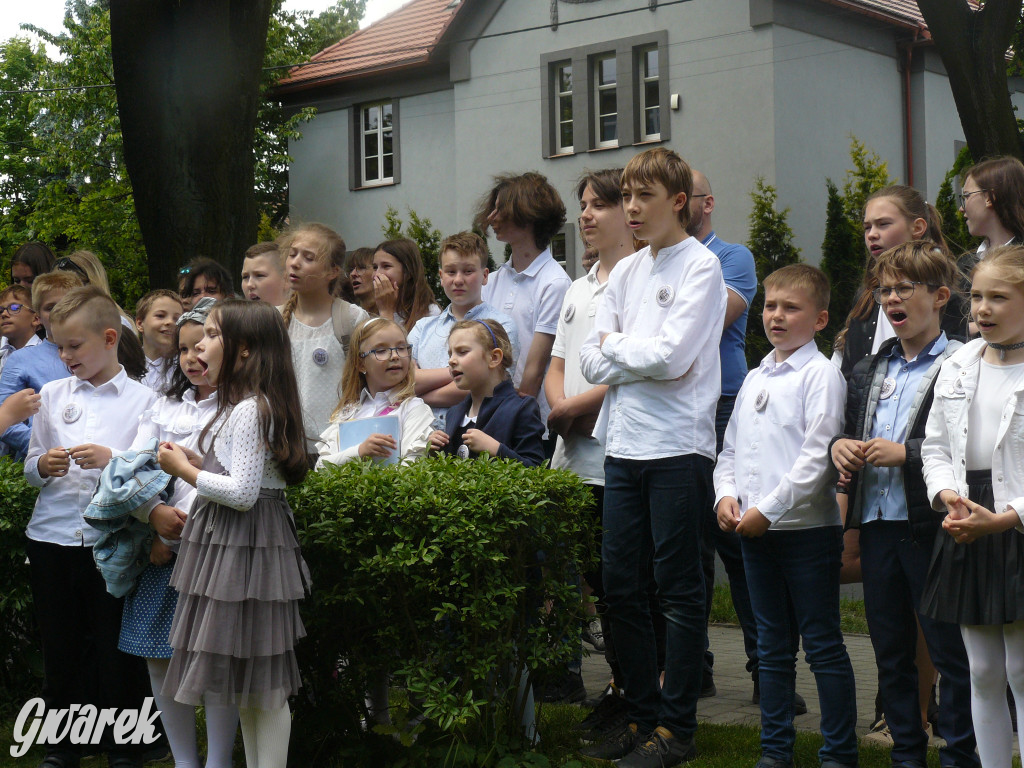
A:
(981, 582)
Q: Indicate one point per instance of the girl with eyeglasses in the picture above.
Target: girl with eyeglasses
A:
(992, 203)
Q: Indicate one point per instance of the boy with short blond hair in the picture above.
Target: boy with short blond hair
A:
(81, 419)
(655, 344)
(33, 366)
(879, 458)
(772, 487)
(155, 318)
(463, 270)
(263, 275)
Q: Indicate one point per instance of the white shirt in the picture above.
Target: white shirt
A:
(73, 412)
(581, 453)
(775, 456)
(533, 298)
(664, 318)
(415, 423)
(158, 374)
(997, 385)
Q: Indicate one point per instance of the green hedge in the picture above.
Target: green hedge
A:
(455, 576)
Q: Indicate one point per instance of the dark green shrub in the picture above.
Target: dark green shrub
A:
(21, 660)
(434, 572)
(842, 259)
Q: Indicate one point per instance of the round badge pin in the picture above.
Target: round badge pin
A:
(761, 401)
(888, 387)
(569, 314)
(320, 356)
(463, 451)
(958, 387)
(664, 295)
(71, 413)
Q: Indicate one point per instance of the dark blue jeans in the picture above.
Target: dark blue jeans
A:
(894, 568)
(793, 577)
(727, 545)
(657, 506)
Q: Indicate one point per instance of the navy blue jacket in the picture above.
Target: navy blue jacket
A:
(510, 418)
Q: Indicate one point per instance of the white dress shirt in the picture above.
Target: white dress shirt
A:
(415, 423)
(73, 412)
(664, 320)
(775, 453)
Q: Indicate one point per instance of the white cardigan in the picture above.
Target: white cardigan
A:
(944, 451)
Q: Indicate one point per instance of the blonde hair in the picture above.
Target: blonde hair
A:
(329, 250)
(1006, 263)
(491, 335)
(98, 311)
(93, 267)
(801, 277)
(53, 281)
(353, 381)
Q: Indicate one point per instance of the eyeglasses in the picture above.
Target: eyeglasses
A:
(704, 195)
(903, 291)
(67, 265)
(962, 197)
(11, 309)
(383, 354)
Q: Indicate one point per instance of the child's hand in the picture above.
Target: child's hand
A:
(728, 513)
(438, 440)
(848, 457)
(753, 524)
(479, 441)
(560, 419)
(377, 446)
(193, 458)
(885, 453)
(584, 425)
(979, 522)
(173, 459)
(90, 456)
(54, 463)
(20, 406)
(385, 294)
(159, 553)
(955, 506)
(168, 521)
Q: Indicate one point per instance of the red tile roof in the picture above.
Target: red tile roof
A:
(405, 37)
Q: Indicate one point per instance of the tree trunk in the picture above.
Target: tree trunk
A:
(973, 45)
(187, 76)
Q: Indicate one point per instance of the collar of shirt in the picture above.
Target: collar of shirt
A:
(667, 253)
(447, 316)
(796, 361)
(117, 383)
(706, 242)
(382, 398)
(934, 349)
(535, 265)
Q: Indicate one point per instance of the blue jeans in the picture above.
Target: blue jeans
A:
(894, 568)
(793, 577)
(657, 505)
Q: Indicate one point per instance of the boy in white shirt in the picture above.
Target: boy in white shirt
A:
(81, 419)
(772, 487)
(655, 344)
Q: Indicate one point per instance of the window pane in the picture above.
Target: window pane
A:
(565, 79)
(652, 121)
(606, 104)
(606, 71)
(388, 144)
(651, 94)
(608, 128)
(651, 63)
(565, 108)
(370, 145)
(387, 115)
(389, 166)
(370, 118)
(370, 166)
(565, 135)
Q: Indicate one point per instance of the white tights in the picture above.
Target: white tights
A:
(996, 656)
(265, 733)
(179, 721)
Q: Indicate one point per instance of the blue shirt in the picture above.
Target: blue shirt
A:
(429, 337)
(29, 367)
(883, 493)
(741, 277)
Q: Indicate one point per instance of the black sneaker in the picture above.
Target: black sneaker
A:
(609, 715)
(615, 745)
(608, 703)
(660, 750)
(568, 689)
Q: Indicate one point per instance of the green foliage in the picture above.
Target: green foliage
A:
(842, 259)
(420, 230)
(434, 572)
(771, 242)
(954, 228)
(21, 663)
(869, 174)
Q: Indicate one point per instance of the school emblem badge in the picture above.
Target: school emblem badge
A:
(569, 314)
(463, 451)
(761, 401)
(665, 295)
(888, 387)
(320, 356)
(71, 413)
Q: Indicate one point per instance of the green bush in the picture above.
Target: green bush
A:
(21, 661)
(457, 577)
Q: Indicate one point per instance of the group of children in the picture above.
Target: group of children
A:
(243, 396)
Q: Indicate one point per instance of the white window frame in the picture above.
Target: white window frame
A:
(380, 131)
(598, 89)
(560, 98)
(644, 79)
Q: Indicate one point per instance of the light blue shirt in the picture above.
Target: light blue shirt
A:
(884, 496)
(429, 337)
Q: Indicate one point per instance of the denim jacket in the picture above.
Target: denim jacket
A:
(129, 481)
